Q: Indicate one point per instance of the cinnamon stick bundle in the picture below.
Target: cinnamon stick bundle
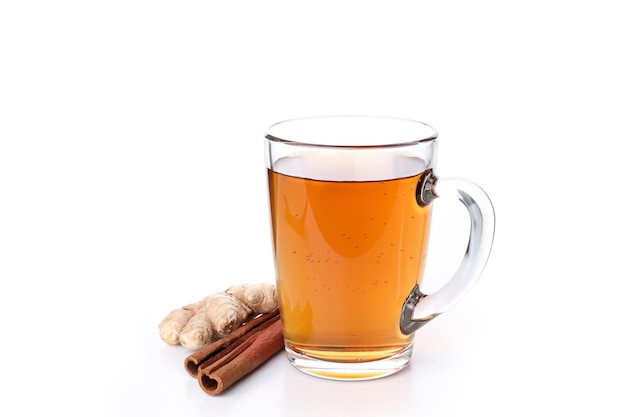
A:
(224, 362)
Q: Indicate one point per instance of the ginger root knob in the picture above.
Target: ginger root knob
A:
(260, 298)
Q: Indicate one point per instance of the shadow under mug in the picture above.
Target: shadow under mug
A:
(350, 212)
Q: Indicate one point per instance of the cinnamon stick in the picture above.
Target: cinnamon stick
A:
(224, 362)
(212, 352)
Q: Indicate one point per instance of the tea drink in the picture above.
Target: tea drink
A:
(347, 254)
(350, 200)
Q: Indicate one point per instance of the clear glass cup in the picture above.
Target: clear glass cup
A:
(350, 211)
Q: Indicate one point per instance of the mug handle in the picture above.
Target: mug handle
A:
(420, 308)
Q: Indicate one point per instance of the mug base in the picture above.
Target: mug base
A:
(350, 371)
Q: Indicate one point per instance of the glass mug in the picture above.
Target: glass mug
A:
(350, 213)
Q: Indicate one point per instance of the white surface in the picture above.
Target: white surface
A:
(132, 181)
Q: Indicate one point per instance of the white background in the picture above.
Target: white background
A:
(132, 181)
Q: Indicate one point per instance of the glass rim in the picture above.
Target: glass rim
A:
(404, 132)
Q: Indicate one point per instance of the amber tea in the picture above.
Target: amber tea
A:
(347, 255)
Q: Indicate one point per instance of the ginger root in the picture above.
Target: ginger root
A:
(196, 325)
